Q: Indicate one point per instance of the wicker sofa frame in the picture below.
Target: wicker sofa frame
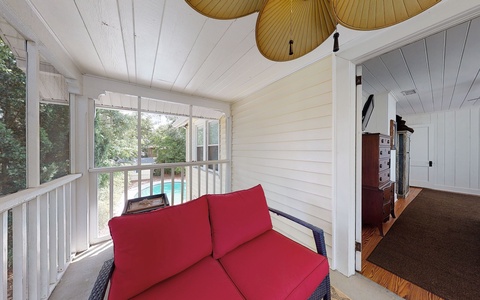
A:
(322, 291)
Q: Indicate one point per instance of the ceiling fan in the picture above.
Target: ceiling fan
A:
(289, 29)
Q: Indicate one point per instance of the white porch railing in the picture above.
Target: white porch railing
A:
(40, 236)
(118, 184)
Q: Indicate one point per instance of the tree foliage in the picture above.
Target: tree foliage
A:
(12, 123)
(54, 141)
(169, 143)
(54, 130)
(116, 139)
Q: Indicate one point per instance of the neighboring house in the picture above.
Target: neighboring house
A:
(297, 135)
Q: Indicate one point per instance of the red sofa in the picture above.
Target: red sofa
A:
(214, 247)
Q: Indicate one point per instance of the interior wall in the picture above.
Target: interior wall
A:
(282, 139)
(456, 141)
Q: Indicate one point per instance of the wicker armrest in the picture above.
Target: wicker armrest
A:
(317, 232)
(101, 284)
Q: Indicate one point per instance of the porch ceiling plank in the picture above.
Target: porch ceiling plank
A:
(177, 38)
(416, 58)
(125, 11)
(30, 23)
(102, 23)
(453, 55)
(370, 75)
(224, 53)
(67, 22)
(148, 21)
(211, 32)
(249, 66)
(469, 66)
(395, 60)
(436, 54)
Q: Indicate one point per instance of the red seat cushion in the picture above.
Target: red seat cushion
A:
(206, 280)
(236, 218)
(274, 267)
(150, 247)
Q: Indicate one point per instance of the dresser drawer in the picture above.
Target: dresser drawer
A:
(384, 152)
(384, 141)
(383, 177)
(384, 164)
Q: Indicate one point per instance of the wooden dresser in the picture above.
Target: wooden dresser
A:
(377, 189)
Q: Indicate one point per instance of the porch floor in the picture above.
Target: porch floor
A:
(78, 280)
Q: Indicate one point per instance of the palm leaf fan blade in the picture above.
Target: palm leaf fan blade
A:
(358, 14)
(304, 22)
(225, 9)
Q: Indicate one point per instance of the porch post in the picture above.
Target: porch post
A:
(81, 142)
(31, 233)
(33, 116)
(344, 162)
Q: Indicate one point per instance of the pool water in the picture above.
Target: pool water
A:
(167, 189)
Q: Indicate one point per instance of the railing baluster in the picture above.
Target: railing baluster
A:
(68, 222)
(33, 238)
(172, 184)
(53, 236)
(61, 228)
(151, 181)
(207, 175)
(44, 240)
(139, 182)
(199, 187)
(110, 196)
(41, 233)
(125, 186)
(20, 251)
(3, 254)
(182, 184)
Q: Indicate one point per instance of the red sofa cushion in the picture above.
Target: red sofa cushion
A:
(236, 218)
(274, 267)
(206, 280)
(150, 247)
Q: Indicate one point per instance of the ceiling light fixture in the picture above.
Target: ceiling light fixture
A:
(308, 23)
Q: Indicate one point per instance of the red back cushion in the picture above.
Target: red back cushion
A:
(150, 247)
(237, 218)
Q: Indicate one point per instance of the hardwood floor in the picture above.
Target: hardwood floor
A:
(370, 238)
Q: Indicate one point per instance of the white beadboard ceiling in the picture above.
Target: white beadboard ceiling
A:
(166, 45)
(442, 70)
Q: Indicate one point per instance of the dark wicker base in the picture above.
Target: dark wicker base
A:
(323, 290)
(100, 286)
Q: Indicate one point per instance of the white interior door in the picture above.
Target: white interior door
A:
(421, 155)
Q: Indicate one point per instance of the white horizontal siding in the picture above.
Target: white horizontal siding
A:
(456, 138)
(282, 139)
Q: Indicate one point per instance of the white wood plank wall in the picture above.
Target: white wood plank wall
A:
(456, 137)
(282, 139)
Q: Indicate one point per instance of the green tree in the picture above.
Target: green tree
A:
(54, 141)
(169, 143)
(12, 123)
(115, 138)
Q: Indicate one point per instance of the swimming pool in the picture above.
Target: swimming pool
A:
(167, 189)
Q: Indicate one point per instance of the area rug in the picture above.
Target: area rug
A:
(435, 244)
